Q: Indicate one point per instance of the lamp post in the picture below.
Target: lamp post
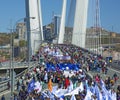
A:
(11, 63)
(12, 54)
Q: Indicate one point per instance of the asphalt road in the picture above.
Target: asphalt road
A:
(110, 73)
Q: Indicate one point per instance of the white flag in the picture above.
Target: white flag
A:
(73, 97)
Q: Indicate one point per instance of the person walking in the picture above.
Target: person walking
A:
(50, 84)
(67, 82)
(3, 97)
(115, 77)
(8, 85)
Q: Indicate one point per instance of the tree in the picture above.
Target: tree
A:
(22, 43)
(117, 47)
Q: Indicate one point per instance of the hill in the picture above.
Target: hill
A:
(4, 38)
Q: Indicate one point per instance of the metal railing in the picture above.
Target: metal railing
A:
(4, 84)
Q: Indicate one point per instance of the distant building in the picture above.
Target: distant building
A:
(113, 34)
(16, 51)
(47, 32)
(16, 42)
(56, 20)
(21, 30)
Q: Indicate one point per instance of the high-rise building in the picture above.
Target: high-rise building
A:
(47, 32)
(56, 20)
(21, 31)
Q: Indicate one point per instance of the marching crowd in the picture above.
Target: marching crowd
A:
(64, 83)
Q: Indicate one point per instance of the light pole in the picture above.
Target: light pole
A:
(12, 54)
(27, 21)
(11, 63)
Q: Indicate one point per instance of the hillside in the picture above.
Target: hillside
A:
(107, 36)
(4, 38)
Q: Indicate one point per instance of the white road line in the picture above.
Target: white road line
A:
(114, 70)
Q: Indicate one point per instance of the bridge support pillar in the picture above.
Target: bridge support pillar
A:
(80, 21)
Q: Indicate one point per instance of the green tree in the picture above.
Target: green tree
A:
(117, 47)
(22, 43)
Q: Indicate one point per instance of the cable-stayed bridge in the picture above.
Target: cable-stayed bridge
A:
(77, 14)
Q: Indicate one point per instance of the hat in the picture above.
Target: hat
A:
(67, 68)
(80, 70)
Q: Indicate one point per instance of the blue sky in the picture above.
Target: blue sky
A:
(12, 10)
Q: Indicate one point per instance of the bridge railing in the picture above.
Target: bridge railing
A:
(4, 84)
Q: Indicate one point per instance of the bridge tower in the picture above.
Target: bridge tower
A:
(62, 23)
(34, 26)
(80, 21)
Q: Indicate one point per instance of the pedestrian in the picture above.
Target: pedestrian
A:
(15, 96)
(8, 85)
(106, 70)
(3, 97)
(46, 77)
(67, 82)
(18, 85)
(115, 77)
(50, 84)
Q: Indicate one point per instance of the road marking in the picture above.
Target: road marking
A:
(114, 70)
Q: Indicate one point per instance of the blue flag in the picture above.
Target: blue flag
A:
(31, 85)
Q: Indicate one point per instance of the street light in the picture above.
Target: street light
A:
(12, 53)
(27, 21)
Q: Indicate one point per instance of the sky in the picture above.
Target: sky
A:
(13, 10)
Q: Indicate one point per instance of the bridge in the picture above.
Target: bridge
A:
(76, 36)
(78, 12)
(72, 28)
(3, 85)
(18, 66)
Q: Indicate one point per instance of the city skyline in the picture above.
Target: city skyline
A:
(11, 11)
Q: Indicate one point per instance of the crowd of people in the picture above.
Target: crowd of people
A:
(63, 83)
